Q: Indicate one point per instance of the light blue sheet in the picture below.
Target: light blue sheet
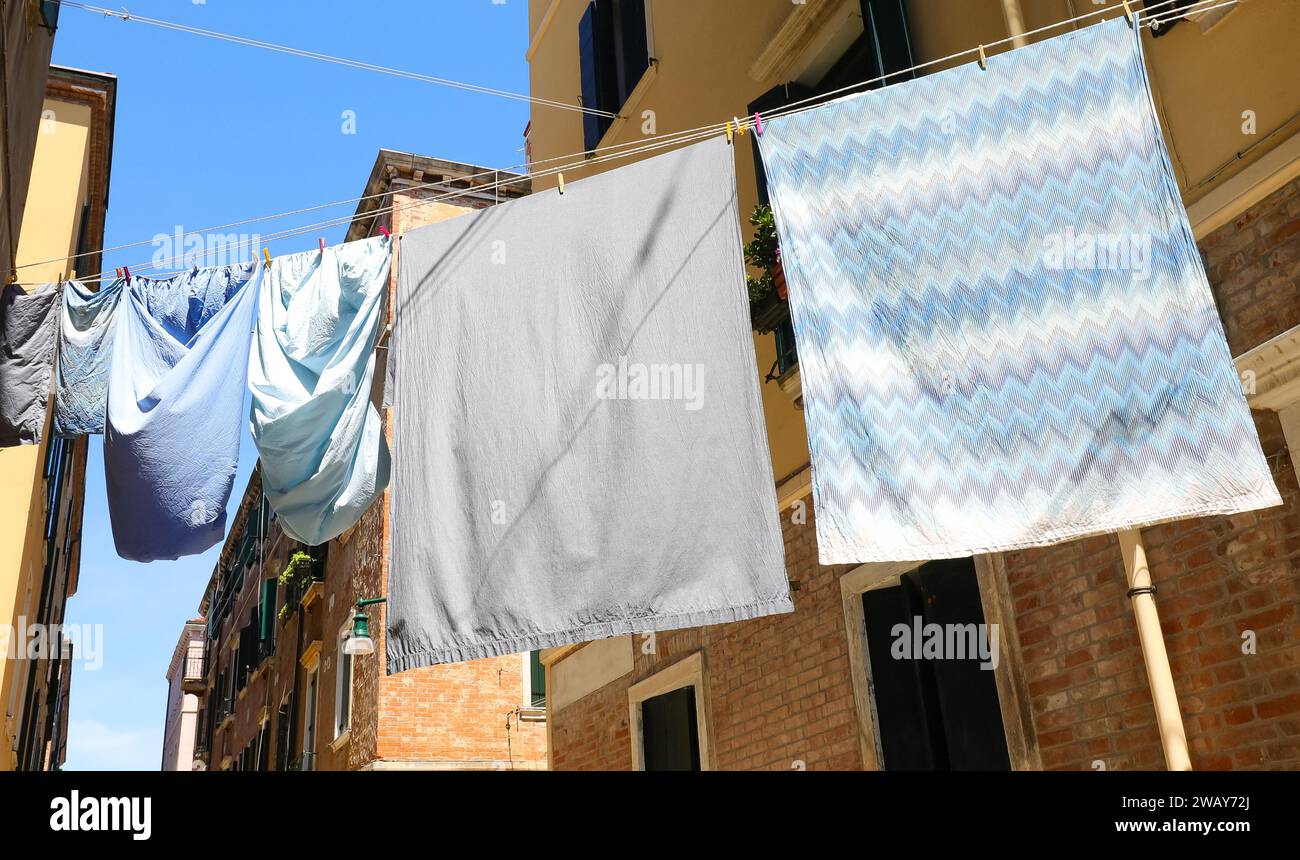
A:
(85, 345)
(324, 459)
(175, 398)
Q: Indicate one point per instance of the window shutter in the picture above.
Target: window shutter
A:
(270, 588)
(537, 679)
(635, 44)
(669, 732)
(885, 23)
(597, 65)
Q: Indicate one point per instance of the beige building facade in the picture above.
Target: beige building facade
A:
(40, 510)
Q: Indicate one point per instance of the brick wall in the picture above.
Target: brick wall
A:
(1253, 265)
(780, 691)
(780, 687)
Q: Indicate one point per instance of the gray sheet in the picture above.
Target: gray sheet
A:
(28, 327)
(579, 447)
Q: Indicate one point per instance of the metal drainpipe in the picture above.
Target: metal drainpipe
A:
(1015, 22)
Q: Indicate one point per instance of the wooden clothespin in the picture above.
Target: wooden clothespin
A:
(266, 254)
(729, 140)
(72, 274)
(1128, 13)
(560, 177)
(384, 230)
(758, 124)
(984, 61)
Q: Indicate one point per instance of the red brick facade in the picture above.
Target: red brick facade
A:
(780, 689)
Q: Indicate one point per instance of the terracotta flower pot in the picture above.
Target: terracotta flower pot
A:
(778, 278)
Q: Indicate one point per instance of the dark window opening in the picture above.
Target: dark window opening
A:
(613, 54)
(932, 714)
(669, 731)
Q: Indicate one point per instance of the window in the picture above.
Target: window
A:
(669, 718)
(309, 721)
(670, 734)
(266, 629)
(613, 54)
(343, 691)
(263, 756)
(284, 732)
(934, 697)
(246, 659)
(534, 680)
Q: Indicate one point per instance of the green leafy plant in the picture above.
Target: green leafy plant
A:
(298, 570)
(762, 253)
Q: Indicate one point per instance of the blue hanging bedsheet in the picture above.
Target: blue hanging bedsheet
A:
(319, 438)
(175, 401)
(85, 345)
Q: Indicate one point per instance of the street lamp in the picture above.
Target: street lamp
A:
(360, 643)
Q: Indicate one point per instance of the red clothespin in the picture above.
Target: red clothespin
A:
(127, 269)
(758, 124)
(384, 230)
(119, 274)
(322, 245)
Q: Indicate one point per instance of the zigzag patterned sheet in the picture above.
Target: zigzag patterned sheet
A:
(1006, 337)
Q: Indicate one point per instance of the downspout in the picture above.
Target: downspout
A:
(1015, 18)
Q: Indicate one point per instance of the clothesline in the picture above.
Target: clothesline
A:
(1147, 17)
(1068, 400)
(126, 15)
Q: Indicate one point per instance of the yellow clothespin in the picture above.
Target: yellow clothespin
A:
(984, 61)
(72, 274)
(266, 252)
(729, 131)
(560, 176)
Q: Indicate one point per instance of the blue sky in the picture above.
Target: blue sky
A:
(207, 133)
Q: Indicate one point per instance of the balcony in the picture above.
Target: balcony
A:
(195, 679)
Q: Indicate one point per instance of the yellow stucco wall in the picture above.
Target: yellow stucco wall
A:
(50, 226)
(706, 49)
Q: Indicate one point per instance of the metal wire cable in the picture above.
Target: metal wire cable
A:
(1147, 17)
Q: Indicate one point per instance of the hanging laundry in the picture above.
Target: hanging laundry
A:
(1006, 338)
(579, 448)
(85, 345)
(28, 322)
(175, 402)
(319, 438)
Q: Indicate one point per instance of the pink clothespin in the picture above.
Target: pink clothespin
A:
(758, 124)
(384, 230)
(322, 245)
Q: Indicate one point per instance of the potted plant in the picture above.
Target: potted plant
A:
(768, 306)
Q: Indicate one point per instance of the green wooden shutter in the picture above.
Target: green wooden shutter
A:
(537, 678)
(270, 588)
